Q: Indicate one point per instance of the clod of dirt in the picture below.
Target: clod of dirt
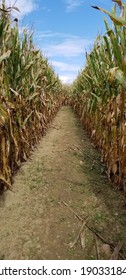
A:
(106, 250)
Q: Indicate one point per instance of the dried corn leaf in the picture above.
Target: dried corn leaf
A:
(5, 55)
(114, 168)
(83, 239)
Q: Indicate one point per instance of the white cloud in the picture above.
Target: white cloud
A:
(49, 34)
(46, 34)
(67, 48)
(62, 66)
(25, 7)
(61, 52)
(73, 4)
(67, 79)
(62, 44)
(65, 52)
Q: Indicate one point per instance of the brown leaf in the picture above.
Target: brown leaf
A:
(83, 239)
(115, 254)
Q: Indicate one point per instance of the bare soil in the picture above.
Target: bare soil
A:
(63, 173)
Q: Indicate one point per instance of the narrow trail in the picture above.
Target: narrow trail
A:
(65, 167)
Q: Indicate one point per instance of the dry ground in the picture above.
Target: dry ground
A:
(64, 171)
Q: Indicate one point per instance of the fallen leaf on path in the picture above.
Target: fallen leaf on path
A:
(83, 239)
(117, 249)
(72, 244)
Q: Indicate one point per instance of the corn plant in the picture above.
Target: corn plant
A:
(99, 94)
(29, 95)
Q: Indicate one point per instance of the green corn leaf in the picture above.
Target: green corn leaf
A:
(119, 75)
(97, 97)
(27, 118)
(114, 18)
(27, 68)
(16, 9)
(33, 96)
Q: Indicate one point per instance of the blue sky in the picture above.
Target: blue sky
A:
(63, 30)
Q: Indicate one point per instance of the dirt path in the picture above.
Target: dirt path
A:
(34, 222)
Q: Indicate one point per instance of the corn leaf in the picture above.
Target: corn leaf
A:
(114, 18)
(5, 56)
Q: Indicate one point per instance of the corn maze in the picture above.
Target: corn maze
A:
(31, 94)
(68, 200)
